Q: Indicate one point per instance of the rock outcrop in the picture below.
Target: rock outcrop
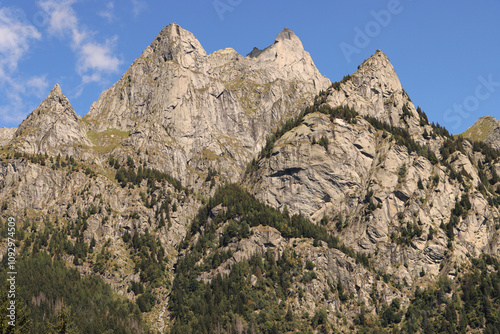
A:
(370, 187)
(6, 135)
(53, 128)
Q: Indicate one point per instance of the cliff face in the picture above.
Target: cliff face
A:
(378, 182)
(195, 111)
(6, 135)
(358, 186)
(52, 128)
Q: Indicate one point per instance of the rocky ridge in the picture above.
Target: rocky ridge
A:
(400, 203)
(192, 111)
(485, 129)
(52, 128)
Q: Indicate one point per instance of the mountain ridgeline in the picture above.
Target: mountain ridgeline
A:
(218, 193)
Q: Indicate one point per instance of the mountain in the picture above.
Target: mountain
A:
(187, 111)
(52, 128)
(485, 129)
(221, 193)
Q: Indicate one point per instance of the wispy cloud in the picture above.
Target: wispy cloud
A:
(94, 58)
(38, 85)
(138, 6)
(16, 37)
(63, 20)
(98, 58)
(107, 13)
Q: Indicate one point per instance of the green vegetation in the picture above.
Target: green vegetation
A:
(201, 307)
(148, 255)
(406, 233)
(56, 297)
(336, 85)
(471, 303)
(246, 209)
(231, 301)
(481, 129)
(106, 140)
(402, 138)
(132, 175)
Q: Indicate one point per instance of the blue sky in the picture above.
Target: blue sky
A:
(446, 54)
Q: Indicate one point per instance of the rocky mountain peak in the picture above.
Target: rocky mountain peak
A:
(206, 110)
(177, 44)
(378, 70)
(287, 49)
(53, 127)
(375, 90)
(287, 34)
(487, 129)
(56, 91)
(56, 104)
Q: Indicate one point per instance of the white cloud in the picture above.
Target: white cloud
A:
(63, 20)
(38, 85)
(93, 58)
(138, 6)
(16, 37)
(98, 57)
(94, 77)
(108, 12)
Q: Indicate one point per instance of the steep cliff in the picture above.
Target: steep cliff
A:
(187, 111)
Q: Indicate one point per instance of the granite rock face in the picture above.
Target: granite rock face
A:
(52, 128)
(369, 188)
(196, 111)
(6, 135)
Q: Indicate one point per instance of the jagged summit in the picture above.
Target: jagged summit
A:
(375, 90)
(286, 33)
(53, 127)
(286, 36)
(56, 90)
(56, 104)
(378, 69)
(177, 44)
(206, 110)
(286, 50)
